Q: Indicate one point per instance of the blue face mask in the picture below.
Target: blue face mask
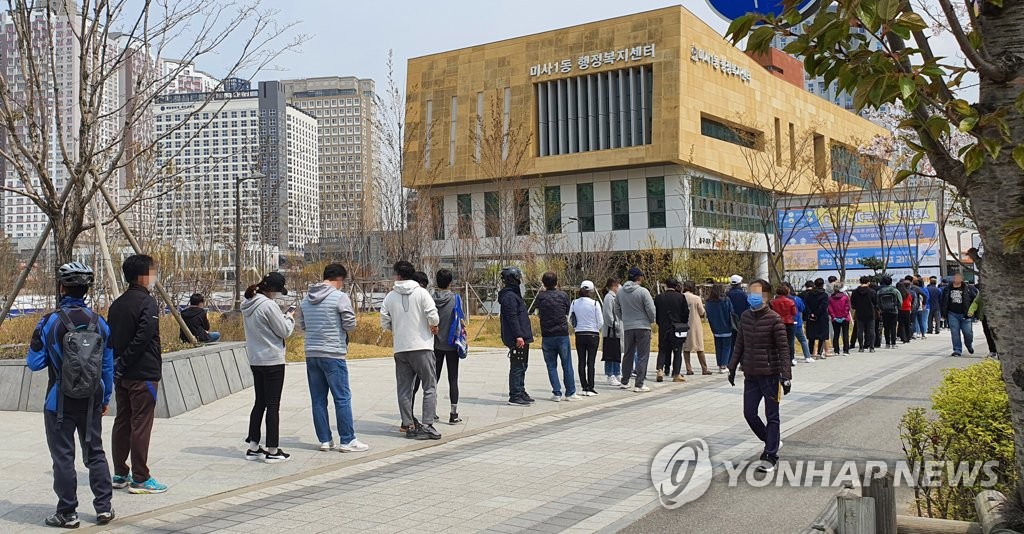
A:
(755, 300)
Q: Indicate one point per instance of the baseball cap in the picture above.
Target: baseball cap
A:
(635, 272)
(275, 281)
(588, 285)
(735, 279)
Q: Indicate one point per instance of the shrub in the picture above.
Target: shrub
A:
(972, 424)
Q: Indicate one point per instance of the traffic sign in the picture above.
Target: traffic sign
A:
(731, 10)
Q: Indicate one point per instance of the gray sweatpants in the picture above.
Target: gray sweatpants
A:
(409, 366)
(636, 343)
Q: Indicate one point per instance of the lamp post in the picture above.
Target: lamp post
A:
(256, 175)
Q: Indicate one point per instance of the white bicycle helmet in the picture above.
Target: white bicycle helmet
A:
(75, 274)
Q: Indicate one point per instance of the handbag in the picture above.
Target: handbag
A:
(457, 332)
(680, 330)
(518, 355)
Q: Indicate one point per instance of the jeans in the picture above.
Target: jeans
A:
(586, 355)
(214, 337)
(638, 350)
(330, 374)
(557, 349)
(959, 324)
(842, 328)
(756, 388)
(723, 350)
(612, 369)
(903, 325)
(889, 321)
(268, 383)
(133, 427)
(670, 353)
(61, 442)
(801, 336)
(921, 322)
(865, 333)
(517, 374)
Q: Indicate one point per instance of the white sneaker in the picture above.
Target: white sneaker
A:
(584, 393)
(556, 398)
(354, 446)
(794, 362)
(573, 397)
(624, 385)
(592, 393)
(641, 389)
(327, 445)
(808, 360)
(612, 381)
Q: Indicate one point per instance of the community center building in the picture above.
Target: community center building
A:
(622, 133)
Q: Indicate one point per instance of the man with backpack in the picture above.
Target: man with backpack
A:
(134, 320)
(889, 302)
(71, 344)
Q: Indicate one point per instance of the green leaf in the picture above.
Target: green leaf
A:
(907, 86)
(968, 124)
(973, 159)
(740, 27)
(961, 107)
(912, 21)
(888, 9)
(902, 175)
(974, 37)
(937, 126)
(760, 39)
(1018, 156)
(992, 146)
(1019, 103)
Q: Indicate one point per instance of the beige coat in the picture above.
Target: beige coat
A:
(695, 339)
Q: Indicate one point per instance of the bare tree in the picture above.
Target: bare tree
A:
(64, 150)
(840, 190)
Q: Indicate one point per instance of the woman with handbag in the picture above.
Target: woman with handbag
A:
(587, 320)
(447, 348)
(695, 339)
(612, 354)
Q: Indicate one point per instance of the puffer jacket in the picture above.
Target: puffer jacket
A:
(553, 308)
(761, 345)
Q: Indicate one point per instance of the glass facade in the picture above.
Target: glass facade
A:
(656, 202)
(846, 167)
(620, 205)
(729, 134)
(437, 214)
(464, 204)
(492, 217)
(522, 207)
(727, 206)
(585, 207)
(553, 209)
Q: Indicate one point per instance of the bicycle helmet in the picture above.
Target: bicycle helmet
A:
(75, 274)
(511, 276)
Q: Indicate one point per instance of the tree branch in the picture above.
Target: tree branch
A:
(985, 68)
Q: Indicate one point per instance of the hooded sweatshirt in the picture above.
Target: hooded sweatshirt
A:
(409, 312)
(445, 302)
(612, 319)
(864, 301)
(327, 317)
(839, 306)
(197, 322)
(266, 328)
(635, 306)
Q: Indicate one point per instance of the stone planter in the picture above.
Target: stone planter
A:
(191, 378)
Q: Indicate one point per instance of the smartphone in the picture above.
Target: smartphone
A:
(291, 309)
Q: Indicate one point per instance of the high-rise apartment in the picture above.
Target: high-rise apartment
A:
(343, 108)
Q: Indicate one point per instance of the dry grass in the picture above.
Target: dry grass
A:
(369, 340)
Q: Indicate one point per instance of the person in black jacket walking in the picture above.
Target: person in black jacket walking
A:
(134, 320)
(516, 334)
(671, 312)
(553, 308)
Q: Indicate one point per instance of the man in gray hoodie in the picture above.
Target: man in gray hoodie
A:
(327, 317)
(636, 308)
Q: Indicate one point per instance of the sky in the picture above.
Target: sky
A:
(347, 38)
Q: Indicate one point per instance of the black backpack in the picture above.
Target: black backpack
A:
(888, 300)
(81, 370)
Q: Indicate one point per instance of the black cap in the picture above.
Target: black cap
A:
(275, 282)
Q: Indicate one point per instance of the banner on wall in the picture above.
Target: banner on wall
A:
(808, 232)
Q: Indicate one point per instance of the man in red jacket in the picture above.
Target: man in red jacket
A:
(763, 351)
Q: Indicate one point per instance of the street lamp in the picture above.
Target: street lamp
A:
(256, 175)
(579, 229)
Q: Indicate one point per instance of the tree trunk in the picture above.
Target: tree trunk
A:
(996, 192)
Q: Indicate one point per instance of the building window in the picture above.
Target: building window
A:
(492, 217)
(464, 203)
(522, 207)
(721, 205)
(453, 131)
(730, 134)
(585, 207)
(437, 214)
(846, 167)
(620, 205)
(553, 209)
(597, 111)
(656, 202)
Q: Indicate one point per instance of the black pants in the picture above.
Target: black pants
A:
(791, 338)
(864, 332)
(756, 389)
(268, 382)
(586, 354)
(452, 357)
(934, 322)
(61, 442)
(904, 326)
(517, 373)
(820, 343)
(889, 321)
(990, 336)
(844, 329)
(133, 427)
(670, 353)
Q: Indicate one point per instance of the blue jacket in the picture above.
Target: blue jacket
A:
(719, 316)
(738, 297)
(46, 351)
(934, 297)
(800, 307)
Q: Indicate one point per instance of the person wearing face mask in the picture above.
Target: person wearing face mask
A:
(266, 329)
(763, 351)
(134, 320)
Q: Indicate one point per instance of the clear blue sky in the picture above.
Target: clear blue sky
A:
(353, 38)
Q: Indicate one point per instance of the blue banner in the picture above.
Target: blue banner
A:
(899, 257)
(922, 234)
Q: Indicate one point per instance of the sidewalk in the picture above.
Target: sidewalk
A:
(581, 464)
